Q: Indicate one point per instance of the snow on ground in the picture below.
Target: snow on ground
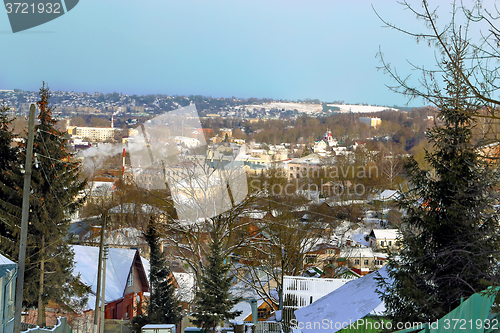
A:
(375, 223)
(361, 108)
(359, 237)
(308, 108)
(351, 231)
(186, 283)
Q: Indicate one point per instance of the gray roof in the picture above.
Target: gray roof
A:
(6, 265)
(130, 208)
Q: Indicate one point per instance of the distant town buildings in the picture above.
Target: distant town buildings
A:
(226, 132)
(305, 167)
(99, 134)
(372, 122)
(329, 139)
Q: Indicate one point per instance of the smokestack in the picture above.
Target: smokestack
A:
(123, 165)
(112, 125)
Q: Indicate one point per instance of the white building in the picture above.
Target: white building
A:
(329, 139)
(93, 133)
(371, 121)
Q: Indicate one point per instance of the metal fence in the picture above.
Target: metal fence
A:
(61, 327)
(268, 327)
(306, 290)
(116, 326)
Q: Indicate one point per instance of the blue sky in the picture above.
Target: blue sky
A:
(281, 49)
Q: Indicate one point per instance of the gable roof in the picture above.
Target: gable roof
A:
(344, 272)
(128, 236)
(117, 269)
(389, 195)
(242, 290)
(131, 208)
(245, 307)
(384, 233)
(357, 252)
(310, 159)
(6, 265)
(354, 300)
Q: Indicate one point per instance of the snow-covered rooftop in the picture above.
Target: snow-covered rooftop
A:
(117, 269)
(357, 252)
(389, 195)
(309, 159)
(247, 294)
(130, 208)
(353, 301)
(124, 237)
(254, 214)
(6, 261)
(6, 265)
(385, 233)
(186, 282)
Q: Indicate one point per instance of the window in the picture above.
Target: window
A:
(390, 243)
(130, 281)
(330, 251)
(356, 262)
(291, 168)
(10, 299)
(310, 259)
(366, 262)
(381, 243)
(262, 313)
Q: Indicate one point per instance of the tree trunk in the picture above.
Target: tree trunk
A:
(41, 307)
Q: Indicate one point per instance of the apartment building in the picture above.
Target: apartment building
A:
(95, 134)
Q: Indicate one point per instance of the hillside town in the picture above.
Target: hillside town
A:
(322, 212)
(250, 167)
(296, 223)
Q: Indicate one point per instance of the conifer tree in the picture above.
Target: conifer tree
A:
(10, 177)
(163, 307)
(214, 302)
(449, 236)
(55, 186)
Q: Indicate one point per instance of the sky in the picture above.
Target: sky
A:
(280, 49)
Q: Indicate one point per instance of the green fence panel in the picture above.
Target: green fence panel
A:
(472, 316)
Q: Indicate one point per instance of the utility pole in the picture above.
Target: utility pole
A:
(99, 267)
(282, 278)
(24, 222)
(103, 292)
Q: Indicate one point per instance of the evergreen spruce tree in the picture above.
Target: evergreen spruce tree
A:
(163, 306)
(214, 303)
(55, 185)
(449, 236)
(10, 198)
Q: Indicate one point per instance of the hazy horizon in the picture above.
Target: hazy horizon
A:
(289, 50)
